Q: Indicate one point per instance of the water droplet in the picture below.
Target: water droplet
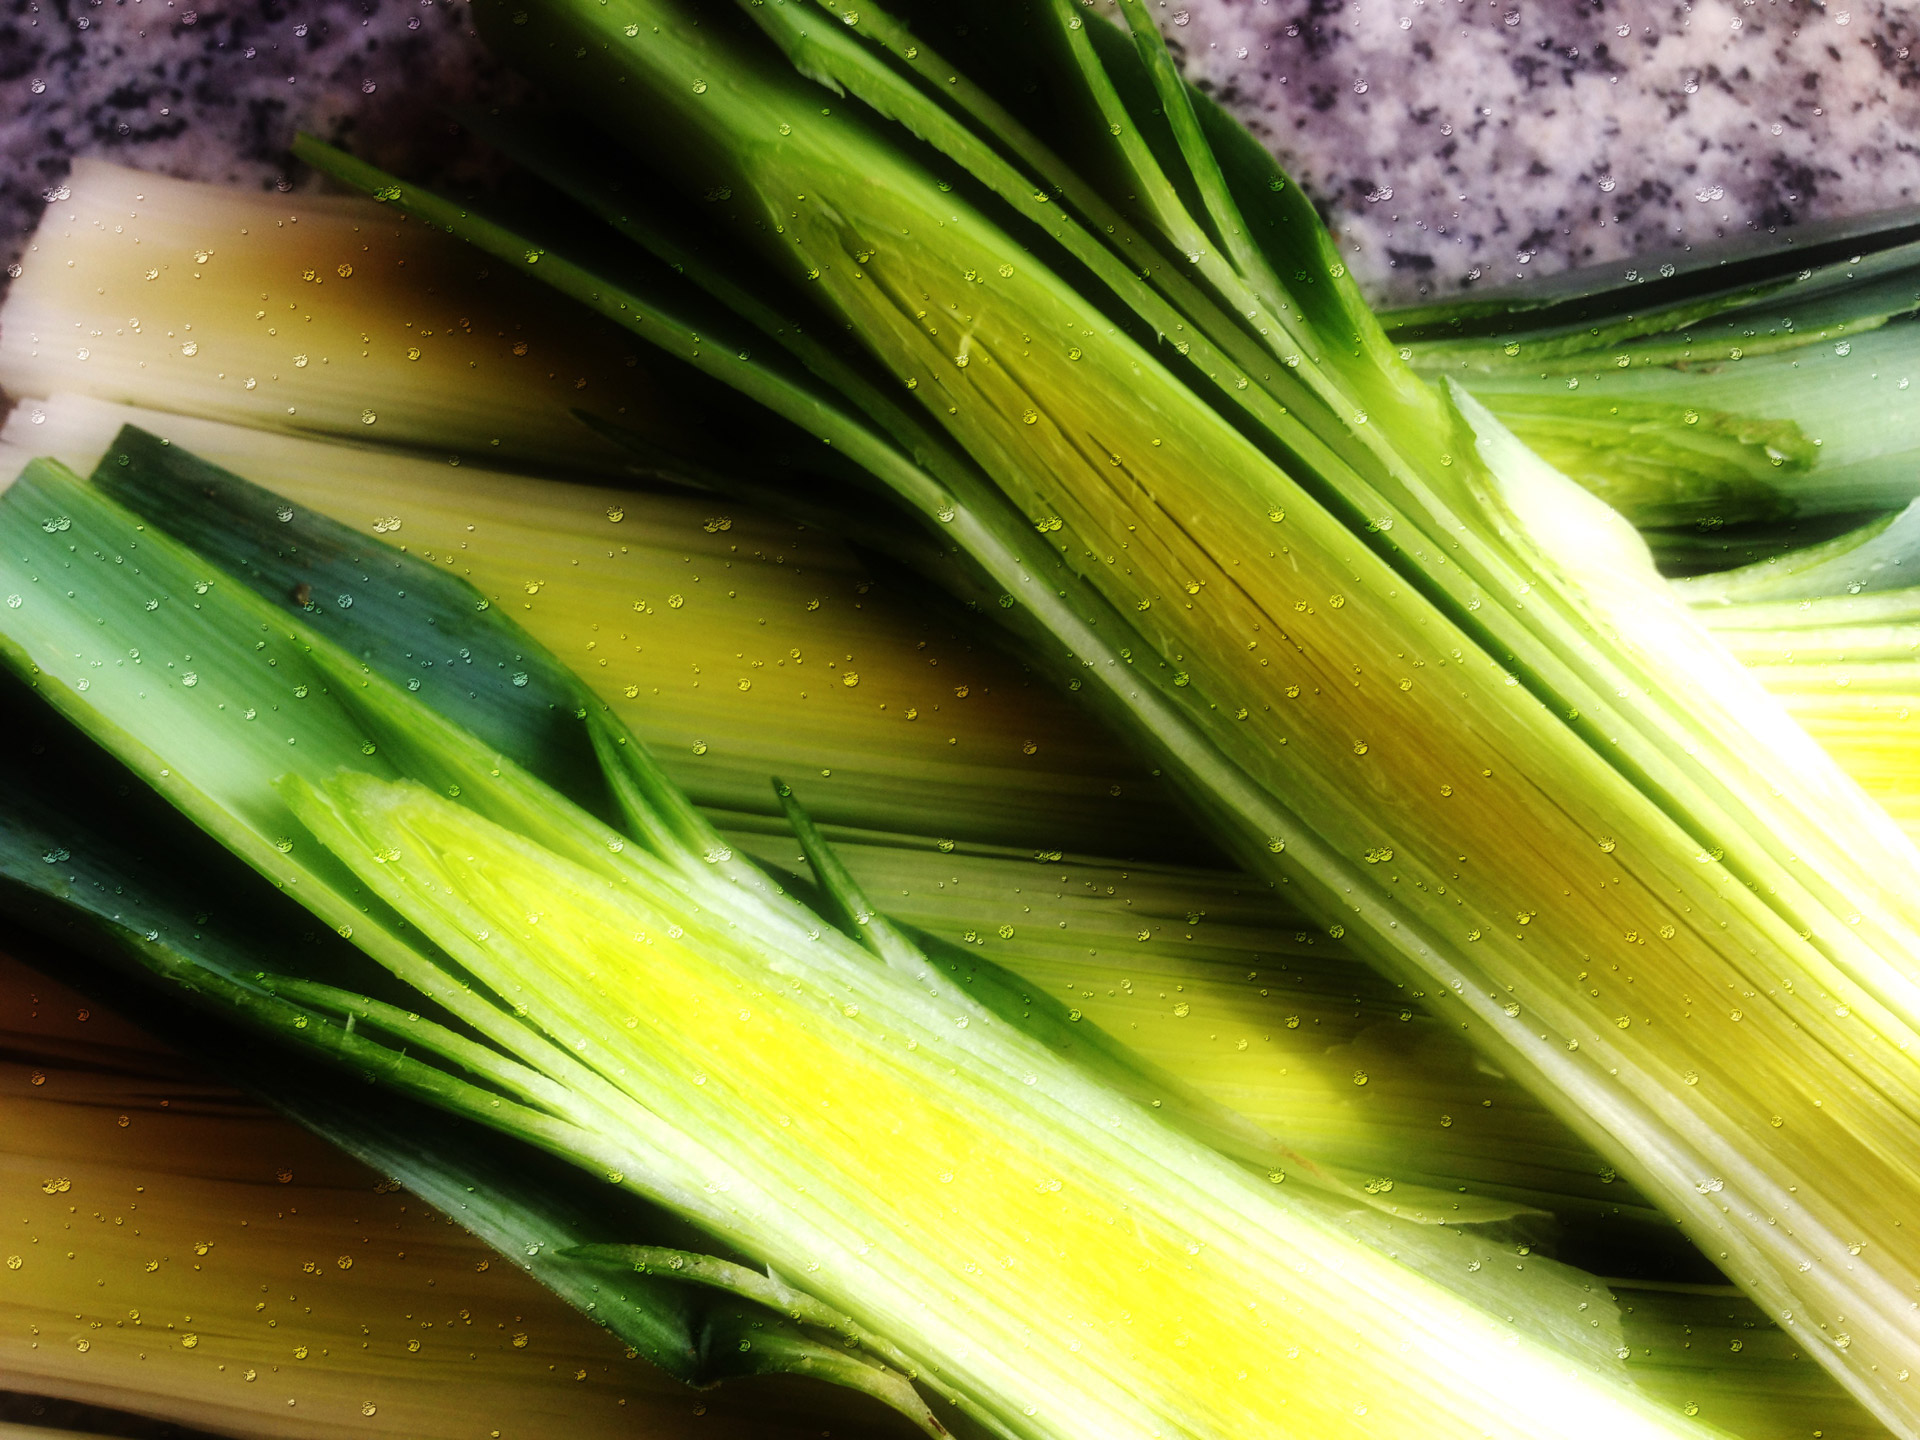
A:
(850, 679)
(299, 362)
(520, 678)
(1378, 855)
(699, 87)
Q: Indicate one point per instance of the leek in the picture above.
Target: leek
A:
(575, 590)
(1144, 938)
(1369, 1152)
(1830, 427)
(1688, 1379)
(1833, 631)
(1460, 716)
(229, 1272)
(533, 928)
(1292, 993)
(1681, 1343)
(302, 314)
(737, 645)
(76, 864)
(1735, 387)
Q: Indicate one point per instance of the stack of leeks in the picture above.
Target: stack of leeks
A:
(1736, 391)
(283, 461)
(277, 586)
(635, 999)
(1395, 660)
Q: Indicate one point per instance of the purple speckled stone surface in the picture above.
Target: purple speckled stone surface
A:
(1449, 141)
(1460, 141)
(210, 90)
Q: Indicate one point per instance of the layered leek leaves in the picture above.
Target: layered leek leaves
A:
(1391, 1111)
(1278, 1021)
(1397, 662)
(940, 1175)
(1721, 399)
(177, 1250)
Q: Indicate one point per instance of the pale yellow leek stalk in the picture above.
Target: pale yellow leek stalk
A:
(304, 313)
(172, 1248)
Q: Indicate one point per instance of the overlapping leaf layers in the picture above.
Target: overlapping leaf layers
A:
(930, 1172)
(1738, 402)
(93, 864)
(1349, 1068)
(176, 1250)
(1722, 398)
(1395, 659)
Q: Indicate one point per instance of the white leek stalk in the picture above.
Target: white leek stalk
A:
(308, 314)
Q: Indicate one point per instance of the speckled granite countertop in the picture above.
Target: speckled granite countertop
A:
(1449, 141)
